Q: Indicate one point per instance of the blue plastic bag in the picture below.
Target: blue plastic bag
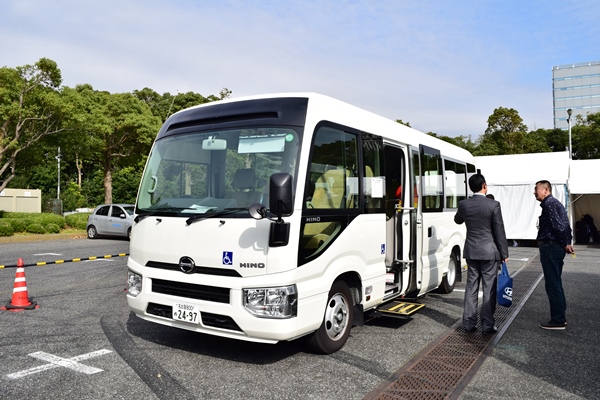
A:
(505, 287)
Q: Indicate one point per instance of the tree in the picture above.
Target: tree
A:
(30, 108)
(120, 128)
(556, 139)
(464, 142)
(505, 134)
(586, 137)
(167, 104)
(403, 123)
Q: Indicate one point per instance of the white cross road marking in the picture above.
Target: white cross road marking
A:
(55, 362)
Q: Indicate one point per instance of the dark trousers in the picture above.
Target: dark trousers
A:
(552, 257)
(486, 272)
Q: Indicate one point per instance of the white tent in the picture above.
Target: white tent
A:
(584, 189)
(511, 179)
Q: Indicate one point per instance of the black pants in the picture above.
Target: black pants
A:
(486, 272)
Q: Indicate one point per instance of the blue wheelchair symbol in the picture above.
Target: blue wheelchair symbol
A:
(383, 249)
(228, 258)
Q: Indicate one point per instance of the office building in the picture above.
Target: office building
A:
(575, 86)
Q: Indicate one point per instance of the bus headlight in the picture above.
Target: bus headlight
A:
(134, 283)
(276, 302)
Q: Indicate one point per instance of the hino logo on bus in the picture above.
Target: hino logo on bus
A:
(186, 265)
(252, 265)
(313, 219)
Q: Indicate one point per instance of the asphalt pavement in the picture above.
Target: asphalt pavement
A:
(528, 362)
(522, 361)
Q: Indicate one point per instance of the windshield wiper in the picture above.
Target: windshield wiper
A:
(159, 211)
(214, 214)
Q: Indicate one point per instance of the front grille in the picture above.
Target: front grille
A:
(191, 291)
(208, 319)
(160, 310)
(197, 270)
(219, 321)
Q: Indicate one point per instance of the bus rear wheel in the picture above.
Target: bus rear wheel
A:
(337, 322)
(449, 280)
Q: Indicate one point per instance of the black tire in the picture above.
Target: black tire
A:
(129, 234)
(92, 233)
(449, 280)
(337, 321)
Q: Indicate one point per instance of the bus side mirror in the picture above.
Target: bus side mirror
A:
(280, 194)
(257, 211)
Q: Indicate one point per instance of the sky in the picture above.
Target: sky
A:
(443, 66)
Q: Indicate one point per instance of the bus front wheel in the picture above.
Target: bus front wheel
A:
(337, 322)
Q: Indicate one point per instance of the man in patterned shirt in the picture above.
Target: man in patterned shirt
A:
(554, 240)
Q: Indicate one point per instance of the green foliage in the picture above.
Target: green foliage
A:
(556, 139)
(18, 224)
(77, 221)
(93, 187)
(125, 184)
(36, 228)
(37, 218)
(49, 218)
(464, 142)
(6, 229)
(31, 108)
(165, 105)
(72, 197)
(52, 228)
(104, 138)
(586, 137)
(505, 133)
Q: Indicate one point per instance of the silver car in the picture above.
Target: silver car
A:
(110, 220)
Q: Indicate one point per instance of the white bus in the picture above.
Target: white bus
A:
(274, 217)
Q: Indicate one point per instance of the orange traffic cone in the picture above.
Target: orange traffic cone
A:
(20, 298)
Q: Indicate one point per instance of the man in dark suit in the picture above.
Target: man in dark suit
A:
(485, 246)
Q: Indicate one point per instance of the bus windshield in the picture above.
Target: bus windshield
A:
(209, 172)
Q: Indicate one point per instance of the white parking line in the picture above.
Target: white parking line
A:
(55, 362)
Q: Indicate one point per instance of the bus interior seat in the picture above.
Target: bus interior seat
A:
(244, 185)
(329, 193)
(450, 199)
(330, 189)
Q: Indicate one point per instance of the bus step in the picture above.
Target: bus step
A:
(399, 309)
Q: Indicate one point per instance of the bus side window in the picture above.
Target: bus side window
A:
(433, 186)
(331, 187)
(456, 183)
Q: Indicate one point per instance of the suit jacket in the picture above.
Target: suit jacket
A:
(486, 239)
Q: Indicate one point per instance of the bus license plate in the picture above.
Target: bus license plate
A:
(186, 312)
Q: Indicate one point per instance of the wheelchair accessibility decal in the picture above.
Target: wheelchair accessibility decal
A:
(228, 258)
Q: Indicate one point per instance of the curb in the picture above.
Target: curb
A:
(39, 238)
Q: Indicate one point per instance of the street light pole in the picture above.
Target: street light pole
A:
(58, 186)
(569, 112)
(569, 202)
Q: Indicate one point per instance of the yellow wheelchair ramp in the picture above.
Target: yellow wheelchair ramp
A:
(399, 309)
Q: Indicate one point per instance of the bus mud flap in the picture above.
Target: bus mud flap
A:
(399, 309)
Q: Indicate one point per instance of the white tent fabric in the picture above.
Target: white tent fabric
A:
(583, 177)
(584, 187)
(511, 179)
